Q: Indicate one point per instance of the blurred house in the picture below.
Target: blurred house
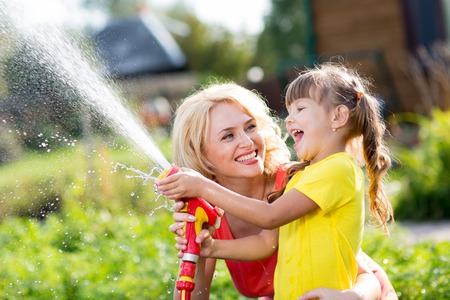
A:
(142, 57)
(381, 39)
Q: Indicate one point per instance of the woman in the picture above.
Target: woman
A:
(234, 135)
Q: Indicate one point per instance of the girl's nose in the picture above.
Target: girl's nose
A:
(288, 120)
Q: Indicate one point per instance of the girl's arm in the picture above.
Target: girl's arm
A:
(250, 248)
(291, 206)
(253, 247)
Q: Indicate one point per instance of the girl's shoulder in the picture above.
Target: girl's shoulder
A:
(342, 159)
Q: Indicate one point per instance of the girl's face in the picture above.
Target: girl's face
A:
(309, 124)
(234, 144)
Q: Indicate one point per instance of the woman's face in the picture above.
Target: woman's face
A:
(234, 144)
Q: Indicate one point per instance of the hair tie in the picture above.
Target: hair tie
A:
(359, 96)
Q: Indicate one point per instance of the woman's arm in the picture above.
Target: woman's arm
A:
(203, 278)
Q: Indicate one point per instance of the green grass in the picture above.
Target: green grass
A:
(87, 253)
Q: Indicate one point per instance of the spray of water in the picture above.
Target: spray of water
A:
(62, 56)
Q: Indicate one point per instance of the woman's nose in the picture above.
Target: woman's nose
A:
(246, 140)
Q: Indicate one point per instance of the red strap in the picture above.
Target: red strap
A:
(280, 179)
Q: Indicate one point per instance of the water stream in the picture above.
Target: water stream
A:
(101, 245)
(61, 55)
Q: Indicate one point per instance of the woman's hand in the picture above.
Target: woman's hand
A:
(204, 237)
(177, 227)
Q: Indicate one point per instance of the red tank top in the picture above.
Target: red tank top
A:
(252, 278)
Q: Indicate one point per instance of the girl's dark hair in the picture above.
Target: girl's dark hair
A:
(331, 85)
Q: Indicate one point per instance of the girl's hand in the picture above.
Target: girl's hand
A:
(206, 241)
(204, 238)
(185, 184)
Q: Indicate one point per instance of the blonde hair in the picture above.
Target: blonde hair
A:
(333, 85)
(192, 120)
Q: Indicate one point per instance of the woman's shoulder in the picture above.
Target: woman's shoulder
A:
(280, 179)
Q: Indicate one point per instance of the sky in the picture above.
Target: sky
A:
(244, 16)
(236, 15)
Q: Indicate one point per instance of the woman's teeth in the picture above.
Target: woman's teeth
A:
(246, 157)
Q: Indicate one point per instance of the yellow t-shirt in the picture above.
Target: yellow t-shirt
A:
(319, 249)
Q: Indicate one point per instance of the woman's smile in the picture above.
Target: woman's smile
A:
(248, 158)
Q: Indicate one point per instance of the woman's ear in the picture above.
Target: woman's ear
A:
(340, 116)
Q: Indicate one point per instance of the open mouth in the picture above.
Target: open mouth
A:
(247, 157)
(297, 135)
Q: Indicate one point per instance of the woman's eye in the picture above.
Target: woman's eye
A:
(227, 136)
(251, 127)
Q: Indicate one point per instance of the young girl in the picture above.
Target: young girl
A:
(321, 212)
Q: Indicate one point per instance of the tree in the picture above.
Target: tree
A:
(284, 34)
(214, 51)
(114, 7)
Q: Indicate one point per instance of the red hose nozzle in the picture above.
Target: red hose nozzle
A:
(204, 213)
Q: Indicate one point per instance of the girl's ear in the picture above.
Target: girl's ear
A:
(340, 116)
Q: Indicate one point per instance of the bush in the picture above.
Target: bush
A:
(417, 271)
(40, 182)
(88, 253)
(423, 176)
(85, 253)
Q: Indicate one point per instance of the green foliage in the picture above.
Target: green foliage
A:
(418, 271)
(284, 34)
(114, 7)
(41, 182)
(214, 51)
(423, 178)
(84, 252)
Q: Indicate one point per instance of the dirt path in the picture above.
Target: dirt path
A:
(420, 231)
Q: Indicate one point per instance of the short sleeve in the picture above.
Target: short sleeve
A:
(330, 184)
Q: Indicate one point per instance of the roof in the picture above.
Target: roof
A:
(138, 46)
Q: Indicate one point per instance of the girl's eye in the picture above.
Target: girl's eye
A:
(300, 108)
